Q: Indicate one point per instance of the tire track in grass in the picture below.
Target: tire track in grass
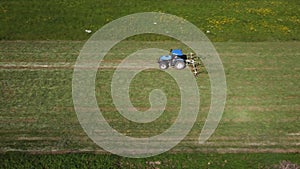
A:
(173, 151)
(58, 65)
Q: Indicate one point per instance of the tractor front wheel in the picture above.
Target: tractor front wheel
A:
(179, 65)
(163, 65)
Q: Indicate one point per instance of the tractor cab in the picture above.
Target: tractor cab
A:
(177, 53)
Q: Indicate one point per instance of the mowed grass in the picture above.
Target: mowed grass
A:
(261, 115)
(235, 20)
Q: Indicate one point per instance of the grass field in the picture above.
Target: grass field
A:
(261, 114)
(180, 160)
(235, 20)
(258, 43)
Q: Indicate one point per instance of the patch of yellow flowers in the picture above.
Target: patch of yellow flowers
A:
(260, 11)
(218, 22)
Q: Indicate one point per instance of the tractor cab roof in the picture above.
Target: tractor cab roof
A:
(177, 52)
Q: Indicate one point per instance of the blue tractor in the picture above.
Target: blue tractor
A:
(175, 59)
(179, 61)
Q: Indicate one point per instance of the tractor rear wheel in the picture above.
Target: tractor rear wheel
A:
(179, 65)
(163, 65)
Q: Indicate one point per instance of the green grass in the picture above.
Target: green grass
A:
(257, 42)
(226, 20)
(261, 114)
(191, 160)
